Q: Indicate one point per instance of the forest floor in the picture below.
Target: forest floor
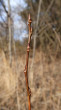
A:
(44, 81)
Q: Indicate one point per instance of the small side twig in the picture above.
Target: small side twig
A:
(27, 60)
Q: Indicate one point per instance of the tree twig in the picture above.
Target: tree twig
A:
(27, 60)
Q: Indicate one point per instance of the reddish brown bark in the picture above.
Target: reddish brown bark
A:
(27, 60)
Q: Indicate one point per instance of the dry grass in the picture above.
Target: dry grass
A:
(46, 84)
(7, 79)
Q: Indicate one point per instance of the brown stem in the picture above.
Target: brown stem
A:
(27, 60)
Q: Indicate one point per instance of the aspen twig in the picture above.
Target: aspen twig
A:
(27, 60)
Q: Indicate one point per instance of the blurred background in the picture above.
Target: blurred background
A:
(44, 73)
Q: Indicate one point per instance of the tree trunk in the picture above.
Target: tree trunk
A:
(10, 33)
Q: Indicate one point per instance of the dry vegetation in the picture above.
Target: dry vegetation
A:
(45, 84)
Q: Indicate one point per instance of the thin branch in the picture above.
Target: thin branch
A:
(3, 6)
(27, 60)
